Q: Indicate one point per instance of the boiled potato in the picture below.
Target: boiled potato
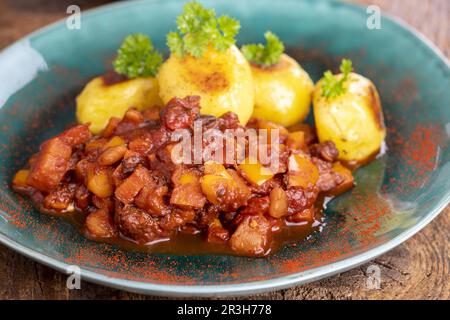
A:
(223, 80)
(100, 101)
(283, 92)
(352, 120)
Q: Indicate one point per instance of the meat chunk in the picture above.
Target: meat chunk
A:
(224, 187)
(133, 184)
(347, 179)
(256, 206)
(51, 165)
(326, 151)
(300, 199)
(138, 225)
(151, 199)
(106, 204)
(229, 120)
(76, 135)
(177, 218)
(306, 215)
(181, 113)
(328, 179)
(60, 198)
(187, 190)
(82, 197)
(216, 233)
(131, 160)
(252, 236)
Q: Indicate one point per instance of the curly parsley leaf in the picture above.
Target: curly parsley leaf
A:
(137, 57)
(333, 85)
(198, 27)
(264, 55)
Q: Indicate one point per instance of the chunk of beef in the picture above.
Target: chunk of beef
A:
(207, 215)
(82, 197)
(176, 219)
(133, 184)
(256, 206)
(347, 179)
(187, 191)
(300, 199)
(60, 198)
(106, 204)
(51, 165)
(181, 113)
(229, 120)
(151, 199)
(216, 233)
(328, 179)
(131, 159)
(306, 215)
(326, 151)
(138, 225)
(76, 135)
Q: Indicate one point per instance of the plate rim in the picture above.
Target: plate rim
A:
(249, 287)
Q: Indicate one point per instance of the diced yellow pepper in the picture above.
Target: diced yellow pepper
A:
(296, 140)
(240, 186)
(20, 179)
(255, 172)
(212, 186)
(219, 182)
(216, 169)
(187, 178)
(302, 172)
(114, 142)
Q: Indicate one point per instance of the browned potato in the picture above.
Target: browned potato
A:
(352, 120)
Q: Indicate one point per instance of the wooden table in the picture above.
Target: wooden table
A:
(418, 269)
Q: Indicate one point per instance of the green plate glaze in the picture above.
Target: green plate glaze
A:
(396, 195)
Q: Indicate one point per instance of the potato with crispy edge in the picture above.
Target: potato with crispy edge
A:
(223, 80)
(100, 100)
(353, 120)
(283, 92)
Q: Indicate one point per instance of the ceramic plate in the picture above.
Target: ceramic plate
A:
(395, 196)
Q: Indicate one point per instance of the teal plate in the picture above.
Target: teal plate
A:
(396, 195)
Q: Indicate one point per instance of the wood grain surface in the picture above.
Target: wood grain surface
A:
(417, 269)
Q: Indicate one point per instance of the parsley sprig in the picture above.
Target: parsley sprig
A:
(264, 55)
(333, 86)
(199, 27)
(137, 57)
